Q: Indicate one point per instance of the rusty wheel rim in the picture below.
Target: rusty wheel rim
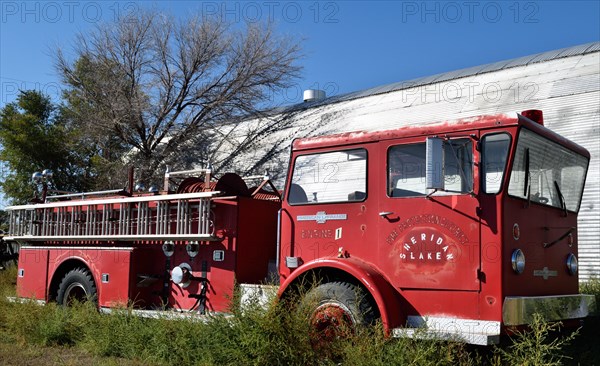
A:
(329, 322)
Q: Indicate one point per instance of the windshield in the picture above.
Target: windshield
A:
(547, 173)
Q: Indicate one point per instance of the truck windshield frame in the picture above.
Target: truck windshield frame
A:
(553, 174)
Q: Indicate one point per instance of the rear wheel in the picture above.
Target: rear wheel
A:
(338, 308)
(77, 285)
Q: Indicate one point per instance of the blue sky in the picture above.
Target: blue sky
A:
(348, 46)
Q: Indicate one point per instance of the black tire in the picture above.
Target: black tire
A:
(77, 285)
(336, 309)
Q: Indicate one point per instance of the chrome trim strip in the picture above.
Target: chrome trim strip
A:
(519, 310)
(321, 217)
(545, 273)
(74, 247)
(108, 201)
(278, 249)
(208, 237)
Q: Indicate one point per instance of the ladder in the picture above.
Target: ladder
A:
(162, 217)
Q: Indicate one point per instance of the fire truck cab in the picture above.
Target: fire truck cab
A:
(465, 228)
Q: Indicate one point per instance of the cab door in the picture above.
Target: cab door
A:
(430, 238)
(324, 214)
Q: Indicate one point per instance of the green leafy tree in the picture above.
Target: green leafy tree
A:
(35, 135)
(3, 221)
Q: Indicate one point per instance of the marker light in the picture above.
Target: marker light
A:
(570, 239)
(516, 231)
(518, 261)
(535, 115)
(572, 264)
(37, 177)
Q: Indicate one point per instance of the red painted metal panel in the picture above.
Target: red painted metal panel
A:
(545, 268)
(247, 231)
(257, 236)
(220, 274)
(33, 272)
(147, 275)
(114, 262)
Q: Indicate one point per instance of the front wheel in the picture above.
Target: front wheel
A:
(77, 285)
(338, 308)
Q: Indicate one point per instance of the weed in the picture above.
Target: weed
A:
(537, 347)
(592, 287)
(277, 334)
(8, 281)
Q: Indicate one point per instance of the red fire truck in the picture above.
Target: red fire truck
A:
(464, 228)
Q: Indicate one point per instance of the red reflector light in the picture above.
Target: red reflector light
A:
(516, 232)
(570, 240)
(535, 115)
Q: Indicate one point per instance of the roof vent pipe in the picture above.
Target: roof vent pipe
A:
(312, 95)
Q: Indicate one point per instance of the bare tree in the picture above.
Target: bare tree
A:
(150, 89)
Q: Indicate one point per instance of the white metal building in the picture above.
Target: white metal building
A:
(564, 83)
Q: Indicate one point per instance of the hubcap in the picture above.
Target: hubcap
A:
(75, 292)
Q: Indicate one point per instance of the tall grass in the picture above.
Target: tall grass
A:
(254, 336)
(538, 346)
(592, 287)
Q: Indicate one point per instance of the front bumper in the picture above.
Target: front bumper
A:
(519, 310)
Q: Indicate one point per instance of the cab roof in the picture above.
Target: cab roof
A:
(441, 128)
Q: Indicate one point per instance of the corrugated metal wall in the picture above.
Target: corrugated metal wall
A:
(567, 89)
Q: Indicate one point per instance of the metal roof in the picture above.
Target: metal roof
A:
(452, 75)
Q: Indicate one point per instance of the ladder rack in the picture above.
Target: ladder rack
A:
(163, 217)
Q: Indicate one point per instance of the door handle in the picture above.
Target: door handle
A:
(385, 213)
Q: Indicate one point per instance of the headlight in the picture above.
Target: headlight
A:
(572, 264)
(518, 261)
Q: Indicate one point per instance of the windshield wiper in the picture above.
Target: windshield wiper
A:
(563, 203)
(527, 187)
(548, 245)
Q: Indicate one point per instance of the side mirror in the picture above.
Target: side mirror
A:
(434, 168)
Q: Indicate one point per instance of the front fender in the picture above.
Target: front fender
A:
(389, 301)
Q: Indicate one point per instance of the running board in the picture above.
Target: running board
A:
(472, 331)
(23, 300)
(164, 314)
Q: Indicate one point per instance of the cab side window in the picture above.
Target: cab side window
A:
(406, 169)
(338, 176)
(494, 156)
